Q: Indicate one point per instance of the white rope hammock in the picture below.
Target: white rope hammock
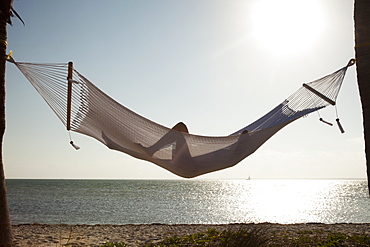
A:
(85, 109)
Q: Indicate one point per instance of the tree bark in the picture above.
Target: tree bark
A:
(362, 48)
(5, 227)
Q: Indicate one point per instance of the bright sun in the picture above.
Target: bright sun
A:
(287, 26)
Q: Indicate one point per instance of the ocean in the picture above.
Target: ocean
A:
(187, 201)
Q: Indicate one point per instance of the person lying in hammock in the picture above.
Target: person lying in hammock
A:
(181, 149)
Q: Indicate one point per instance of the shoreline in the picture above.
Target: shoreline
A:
(45, 235)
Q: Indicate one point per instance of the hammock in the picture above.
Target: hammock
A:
(85, 109)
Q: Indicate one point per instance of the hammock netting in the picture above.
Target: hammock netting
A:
(88, 110)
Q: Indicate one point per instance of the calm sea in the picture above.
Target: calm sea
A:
(187, 201)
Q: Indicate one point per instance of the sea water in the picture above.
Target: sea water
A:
(187, 201)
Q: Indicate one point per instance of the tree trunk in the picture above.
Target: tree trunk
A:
(5, 227)
(362, 47)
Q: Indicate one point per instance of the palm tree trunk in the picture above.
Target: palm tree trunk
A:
(5, 227)
(362, 40)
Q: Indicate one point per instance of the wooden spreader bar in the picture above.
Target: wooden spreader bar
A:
(319, 94)
(69, 94)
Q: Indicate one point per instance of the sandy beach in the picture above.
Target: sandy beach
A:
(44, 235)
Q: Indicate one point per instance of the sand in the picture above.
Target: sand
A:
(43, 235)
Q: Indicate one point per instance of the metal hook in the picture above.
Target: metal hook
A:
(351, 62)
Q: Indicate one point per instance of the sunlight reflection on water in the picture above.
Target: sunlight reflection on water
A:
(292, 201)
(187, 201)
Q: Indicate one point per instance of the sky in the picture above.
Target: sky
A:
(216, 65)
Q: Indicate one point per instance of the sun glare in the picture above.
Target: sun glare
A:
(287, 26)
